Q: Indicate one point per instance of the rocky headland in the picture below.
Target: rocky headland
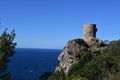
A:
(75, 48)
(88, 58)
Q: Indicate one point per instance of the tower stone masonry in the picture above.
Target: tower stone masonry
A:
(89, 33)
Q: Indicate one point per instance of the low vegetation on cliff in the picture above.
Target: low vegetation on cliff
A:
(103, 66)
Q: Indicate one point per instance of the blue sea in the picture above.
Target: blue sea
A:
(29, 64)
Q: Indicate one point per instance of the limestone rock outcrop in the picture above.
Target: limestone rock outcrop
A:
(77, 47)
(71, 53)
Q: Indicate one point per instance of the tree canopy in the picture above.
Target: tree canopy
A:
(7, 47)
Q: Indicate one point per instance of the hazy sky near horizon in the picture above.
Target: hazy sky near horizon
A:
(51, 23)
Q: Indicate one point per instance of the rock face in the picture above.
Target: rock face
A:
(71, 53)
(77, 47)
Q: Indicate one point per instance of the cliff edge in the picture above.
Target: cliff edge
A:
(77, 47)
(88, 58)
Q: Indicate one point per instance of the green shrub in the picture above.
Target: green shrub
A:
(58, 75)
(45, 76)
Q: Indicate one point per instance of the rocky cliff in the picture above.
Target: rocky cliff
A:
(88, 58)
(75, 48)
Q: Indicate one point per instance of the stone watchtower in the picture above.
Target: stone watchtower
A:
(89, 33)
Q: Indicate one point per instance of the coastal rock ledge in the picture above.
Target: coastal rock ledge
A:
(75, 48)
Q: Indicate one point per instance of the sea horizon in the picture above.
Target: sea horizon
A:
(39, 48)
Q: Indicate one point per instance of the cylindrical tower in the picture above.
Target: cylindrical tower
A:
(89, 31)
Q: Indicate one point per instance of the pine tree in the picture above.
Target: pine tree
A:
(7, 47)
